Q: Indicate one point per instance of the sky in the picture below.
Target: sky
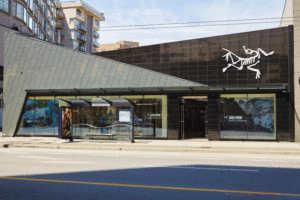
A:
(138, 12)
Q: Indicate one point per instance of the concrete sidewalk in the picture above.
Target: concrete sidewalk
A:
(192, 145)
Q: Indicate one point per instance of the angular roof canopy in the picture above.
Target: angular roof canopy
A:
(35, 65)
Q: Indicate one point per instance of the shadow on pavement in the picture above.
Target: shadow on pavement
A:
(169, 182)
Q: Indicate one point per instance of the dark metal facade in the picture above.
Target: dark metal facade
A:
(202, 60)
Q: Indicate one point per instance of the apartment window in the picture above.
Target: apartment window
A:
(79, 13)
(42, 36)
(30, 2)
(19, 11)
(29, 21)
(4, 5)
(35, 10)
(97, 23)
(36, 29)
(41, 19)
(73, 43)
(45, 9)
(75, 33)
(41, 2)
(74, 21)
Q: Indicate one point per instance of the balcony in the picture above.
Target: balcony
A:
(74, 46)
(97, 26)
(59, 14)
(60, 25)
(95, 43)
(81, 38)
(80, 16)
(96, 34)
(85, 6)
(81, 27)
(82, 48)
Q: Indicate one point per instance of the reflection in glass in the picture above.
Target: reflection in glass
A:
(148, 117)
(100, 122)
(248, 116)
(28, 121)
(39, 118)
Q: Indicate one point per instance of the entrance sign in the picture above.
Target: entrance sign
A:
(124, 116)
(247, 62)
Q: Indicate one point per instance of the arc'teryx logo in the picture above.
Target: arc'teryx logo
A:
(245, 62)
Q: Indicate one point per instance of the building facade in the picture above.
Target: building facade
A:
(82, 23)
(251, 76)
(231, 87)
(291, 16)
(117, 45)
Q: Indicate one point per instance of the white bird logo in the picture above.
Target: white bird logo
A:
(247, 62)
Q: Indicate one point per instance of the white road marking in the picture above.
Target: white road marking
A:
(216, 169)
(269, 161)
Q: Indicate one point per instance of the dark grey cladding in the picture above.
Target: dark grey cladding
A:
(31, 64)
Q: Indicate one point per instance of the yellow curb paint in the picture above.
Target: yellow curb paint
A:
(153, 187)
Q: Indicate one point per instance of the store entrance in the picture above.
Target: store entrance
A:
(194, 110)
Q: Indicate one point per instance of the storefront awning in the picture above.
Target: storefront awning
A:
(99, 102)
(76, 102)
(161, 90)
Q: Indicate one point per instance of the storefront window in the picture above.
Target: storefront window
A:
(248, 116)
(150, 120)
(148, 117)
(39, 117)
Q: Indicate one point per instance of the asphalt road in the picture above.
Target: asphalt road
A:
(76, 174)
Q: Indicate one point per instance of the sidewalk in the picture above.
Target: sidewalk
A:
(191, 145)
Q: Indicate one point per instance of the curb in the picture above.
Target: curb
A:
(191, 150)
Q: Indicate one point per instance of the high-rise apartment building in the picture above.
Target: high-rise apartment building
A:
(82, 23)
(35, 17)
(73, 24)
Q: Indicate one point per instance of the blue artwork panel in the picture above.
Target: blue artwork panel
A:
(39, 118)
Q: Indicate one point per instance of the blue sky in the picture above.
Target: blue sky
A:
(120, 13)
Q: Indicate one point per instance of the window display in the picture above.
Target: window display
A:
(248, 116)
(39, 117)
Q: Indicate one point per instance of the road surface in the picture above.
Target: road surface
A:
(84, 174)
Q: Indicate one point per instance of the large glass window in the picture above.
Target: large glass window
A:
(248, 116)
(148, 117)
(5, 5)
(39, 117)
